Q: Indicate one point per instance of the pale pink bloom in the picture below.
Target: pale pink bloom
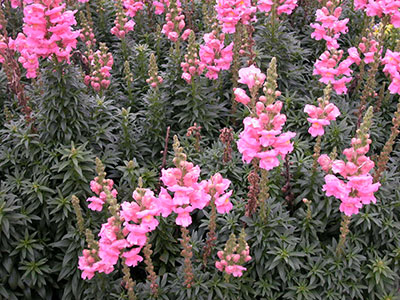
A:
(166, 204)
(132, 257)
(223, 204)
(235, 270)
(317, 127)
(325, 162)
(183, 219)
(335, 187)
(241, 96)
(96, 203)
(268, 159)
(251, 76)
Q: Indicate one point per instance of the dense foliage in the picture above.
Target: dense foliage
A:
(120, 96)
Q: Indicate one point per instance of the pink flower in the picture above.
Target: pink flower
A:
(235, 270)
(251, 76)
(325, 162)
(223, 204)
(132, 257)
(241, 96)
(317, 127)
(183, 219)
(95, 203)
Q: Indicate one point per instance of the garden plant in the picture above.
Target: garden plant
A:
(200, 149)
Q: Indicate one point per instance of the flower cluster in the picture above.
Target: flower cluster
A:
(159, 6)
(132, 7)
(329, 65)
(138, 219)
(334, 71)
(214, 55)
(231, 12)
(125, 232)
(320, 116)
(191, 65)
(392, 67)
(328, 25)
(47, 31)
(175, 22)
(235, 254)
(188, 193)
(121, 24)
(381, 8)
(101, 63)
(86, 34)
(216, 187)
(368, 47)
(96, 203)
(262, 137)
(283, 6)
(357, 188)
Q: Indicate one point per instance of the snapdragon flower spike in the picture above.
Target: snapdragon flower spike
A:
(322, 115)
(356, 188)
(159, 6)
(121, 24)
(231, 12)
(214, 55)
(47, 31)
(262, 137)
(90, 263)
(191, 65)
(175, 22)
(132, 7)
(187, 193)
(328, 26)
(86, 34)
(282, 6)
(234, 256)
(101, 63)
(138, 220)
(216, 187)
(380, 9)
(332, 70)
(154, 79)
(391, 63)
(97, 202)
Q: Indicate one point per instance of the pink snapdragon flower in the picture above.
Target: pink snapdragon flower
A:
(101, 63)
(356, 188)
(320, 116)
(175, 21)
(380, 8)
(124, 234)
(47, 31)
(262, 137)
(216, 188)
(214, 55)
(191, 66)
(231, 12)
(251, 76)
(188, 193)
(331, 70)
(391, 63)
(328, 26)
(233, 257)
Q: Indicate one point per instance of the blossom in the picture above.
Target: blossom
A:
(241, 96)
(251, 76)
(231, 12)
(214, 56)
(47, 30)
